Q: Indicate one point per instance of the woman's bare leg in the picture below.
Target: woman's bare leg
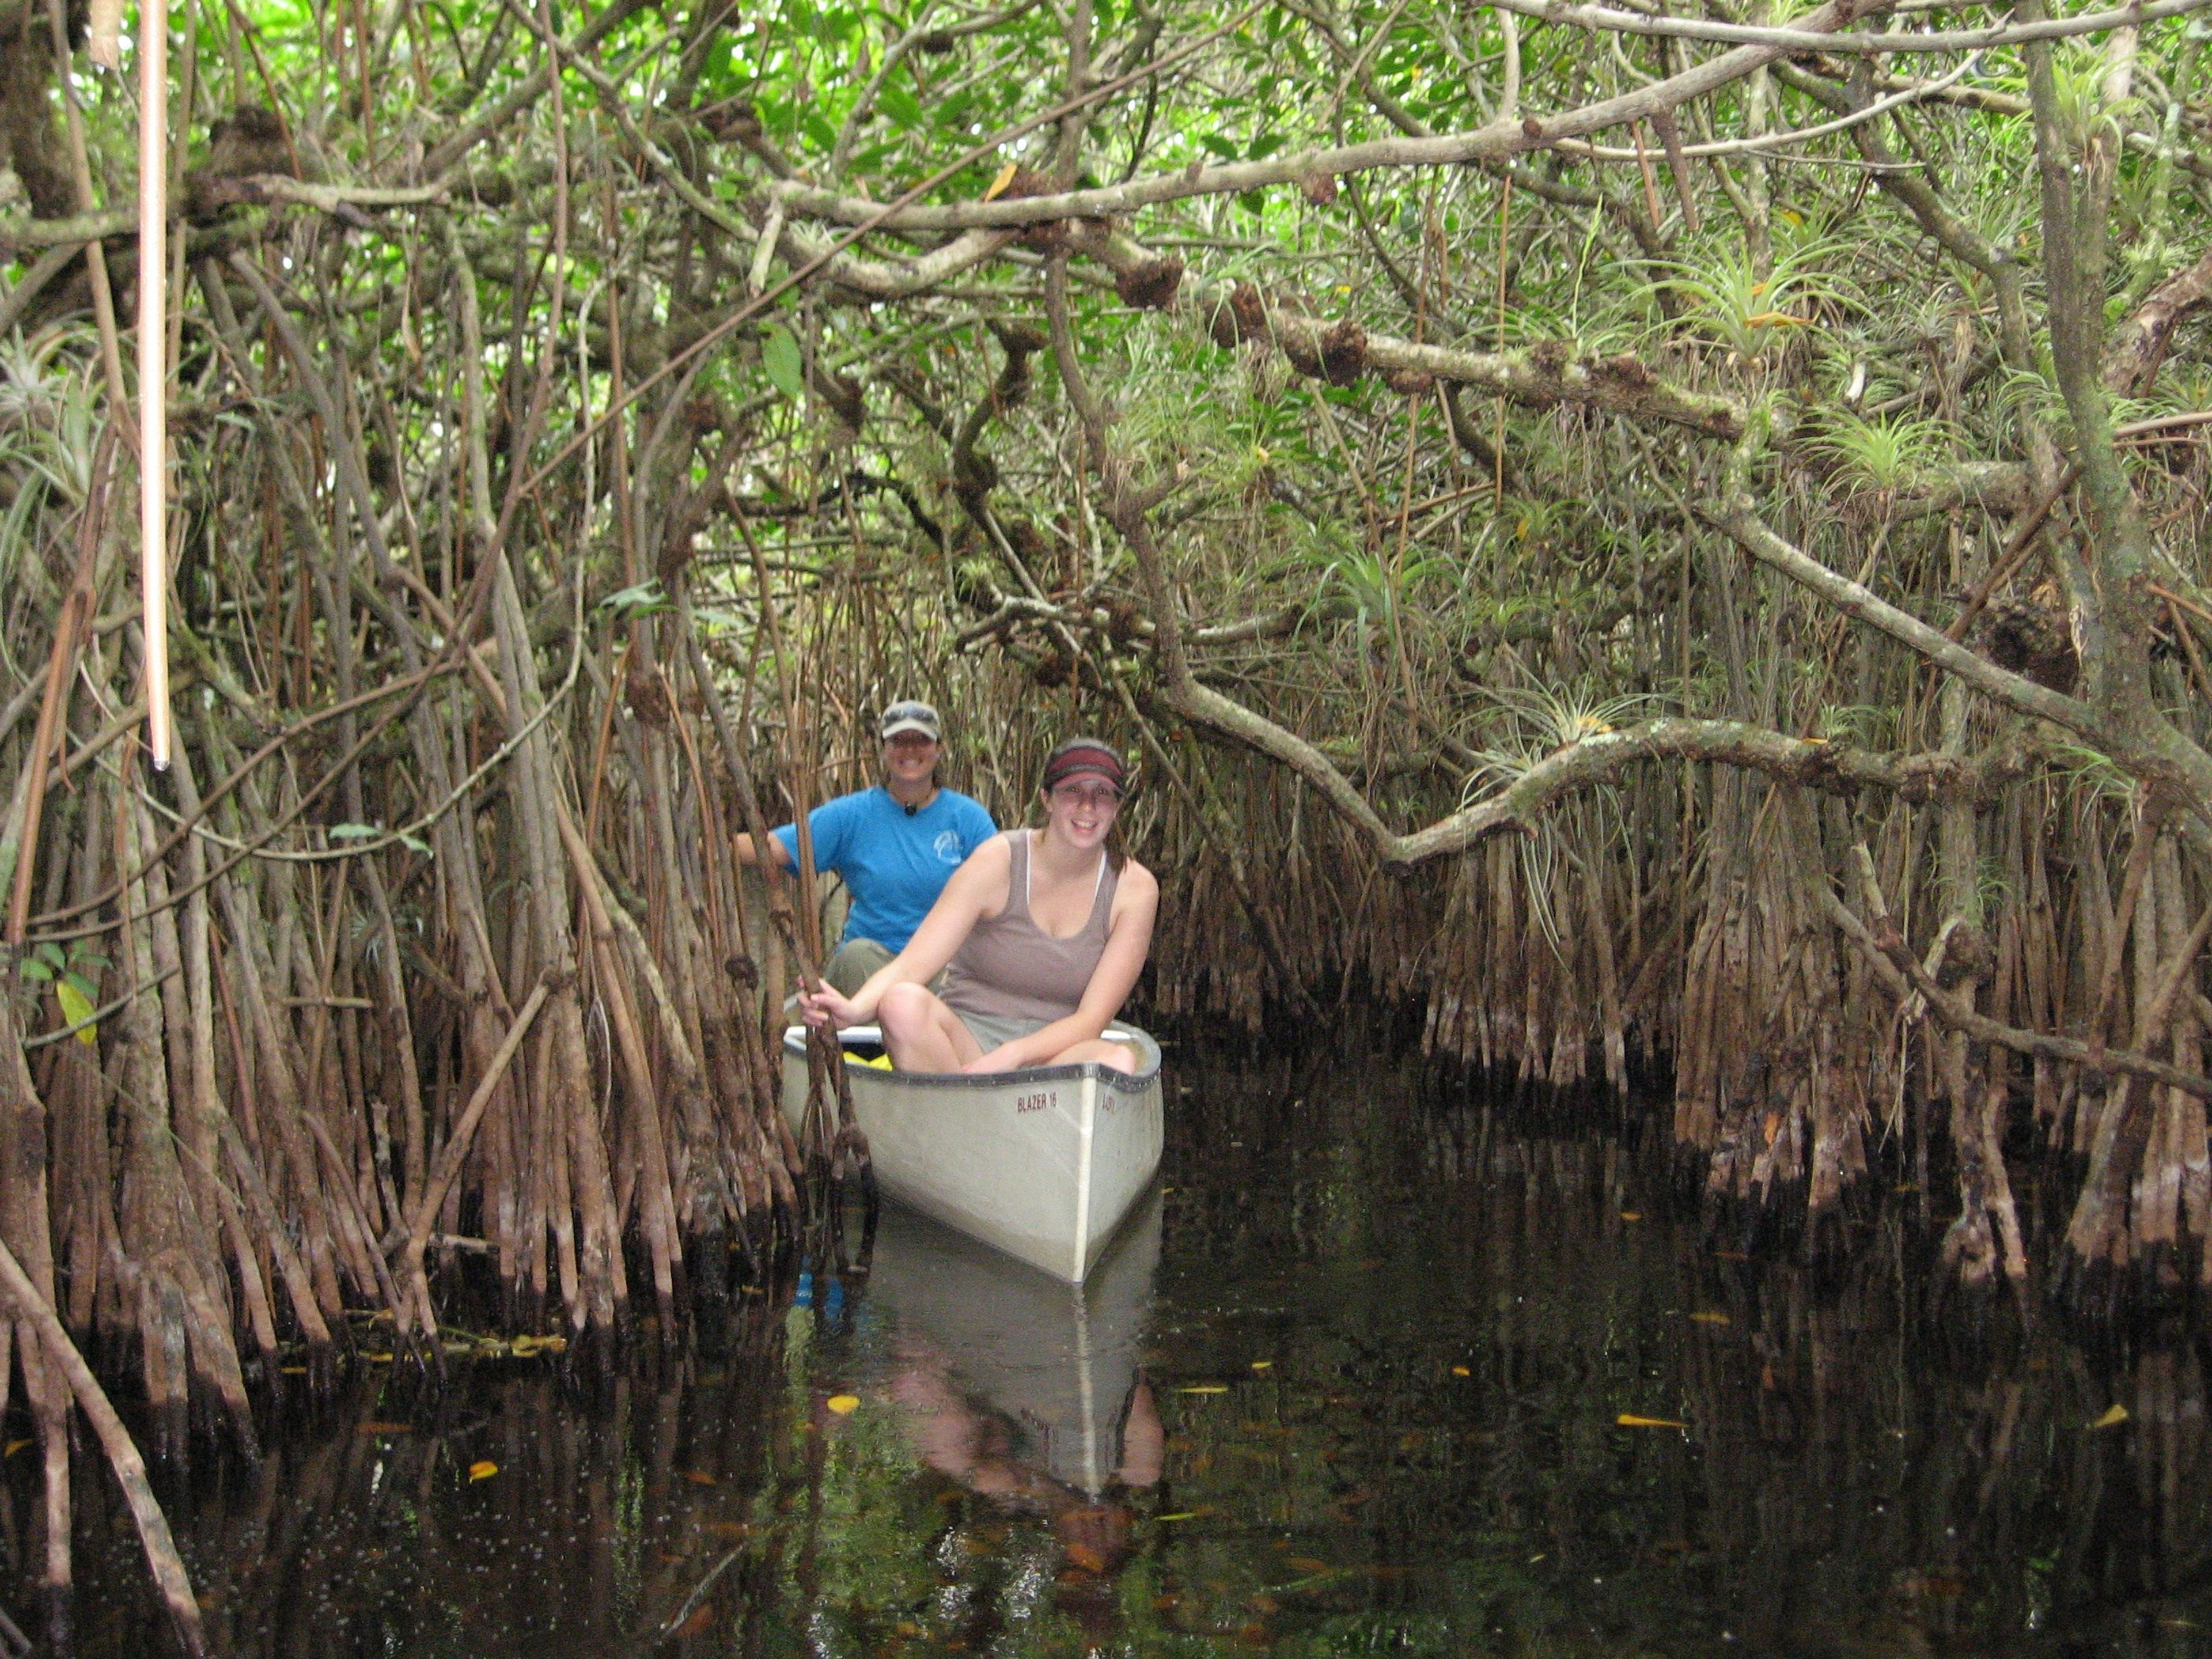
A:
(1118, 1055)
(922, 1033)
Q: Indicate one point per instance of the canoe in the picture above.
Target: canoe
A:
(1056, 1363)
(1045, 1163)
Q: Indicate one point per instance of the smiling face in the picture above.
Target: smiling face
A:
(909, 759)
(1080, 810)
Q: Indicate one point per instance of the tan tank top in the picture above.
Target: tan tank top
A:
(1012, 968)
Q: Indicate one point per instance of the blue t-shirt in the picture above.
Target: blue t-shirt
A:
(895, 863)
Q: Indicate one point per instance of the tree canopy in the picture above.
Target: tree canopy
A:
(1645, 538)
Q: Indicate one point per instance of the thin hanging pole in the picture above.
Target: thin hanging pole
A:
(153, 367)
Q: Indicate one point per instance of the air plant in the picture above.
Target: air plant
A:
(2086, 771)
(1374, 584)
(1885, 454)
(1859, 724)
(1546, 719)
(1542, 721)
(1727, 300)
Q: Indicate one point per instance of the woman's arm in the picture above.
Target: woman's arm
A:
(748, 854)
(977, 890)
(1128, 942)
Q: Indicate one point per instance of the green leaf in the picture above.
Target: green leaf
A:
(1266, 145)
(902, 105)
(83, 987)
(779, 358)
(1225, 147)
(647, 598)
(76, 1009)
(355, 832)
(52, 953)
(31, 967)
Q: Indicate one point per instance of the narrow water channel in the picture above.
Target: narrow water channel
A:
(1378, 1371)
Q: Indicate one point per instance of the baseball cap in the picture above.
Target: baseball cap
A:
(911, 716)
(1078, 756)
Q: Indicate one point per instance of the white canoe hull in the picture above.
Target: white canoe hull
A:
(1043, 1163)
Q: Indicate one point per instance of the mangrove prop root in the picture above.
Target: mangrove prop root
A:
(169, 1574)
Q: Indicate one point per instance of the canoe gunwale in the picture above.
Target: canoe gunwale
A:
(794, 1043)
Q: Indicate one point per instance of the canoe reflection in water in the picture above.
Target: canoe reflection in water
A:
(1026, 1390)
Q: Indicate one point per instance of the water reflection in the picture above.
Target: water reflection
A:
(979, 1337)
(1028, 1392)
(1353, 1385)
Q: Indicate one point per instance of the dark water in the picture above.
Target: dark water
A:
(1353, 1385)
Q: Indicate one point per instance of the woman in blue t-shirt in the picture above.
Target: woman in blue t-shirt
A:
(894, 846)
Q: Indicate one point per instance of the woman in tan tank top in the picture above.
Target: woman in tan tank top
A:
(1041, 934)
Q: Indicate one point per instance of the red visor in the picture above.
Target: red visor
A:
(1083, 756)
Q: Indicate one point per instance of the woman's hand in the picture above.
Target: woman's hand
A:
(1006, 1057)
(827, 1008)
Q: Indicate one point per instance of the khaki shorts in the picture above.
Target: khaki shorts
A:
(853, 962)
(989, 1030)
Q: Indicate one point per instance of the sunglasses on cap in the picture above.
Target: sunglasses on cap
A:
(916, 717)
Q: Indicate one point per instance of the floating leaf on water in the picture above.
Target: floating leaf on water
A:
(2114, 1416)
(1709, 1316)
(373, 1426)
(14, 1446)
(293, 1371)
(524, 1346)
(1933, 1583)
(698, 1622)
(377, 1359)
(482, 1469)
(1307, 1564)
(1533, 1559)
(1203, 1388)
(699, 1478)
(1461, 1370)
(1632, 1215)
(1262, 1364)
(1731, 1255)
(1180, 1514)
(1630, 1420)
(843, 1404)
